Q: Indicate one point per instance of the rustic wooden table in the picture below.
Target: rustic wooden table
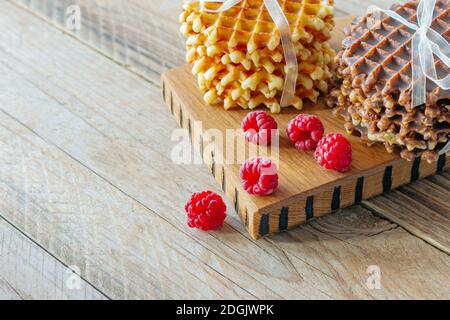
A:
(86, 181)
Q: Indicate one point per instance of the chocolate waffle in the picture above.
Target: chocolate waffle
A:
(373, 85)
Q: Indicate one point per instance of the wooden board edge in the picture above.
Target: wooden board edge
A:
(300, 209)
(288, 215)
(248, 213)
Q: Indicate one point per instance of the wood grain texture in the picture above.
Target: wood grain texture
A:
(8, 292)
(429, 200)
(140, 35)
(122, 247)
(88, 176)
(334, 244)
(29, 272)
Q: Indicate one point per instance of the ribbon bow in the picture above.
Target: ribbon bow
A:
(278, 17)
(426, 43)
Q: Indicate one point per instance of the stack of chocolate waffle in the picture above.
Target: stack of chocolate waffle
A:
(373, 85)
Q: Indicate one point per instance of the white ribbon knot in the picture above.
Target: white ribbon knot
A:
(426, 43)
(279, 18)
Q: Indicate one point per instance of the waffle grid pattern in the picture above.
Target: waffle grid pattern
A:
(384, 53)
(237, 54)
(373, 86)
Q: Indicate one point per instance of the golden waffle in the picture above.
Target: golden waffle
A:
(238, 58)
(248, 24)
(374, 85)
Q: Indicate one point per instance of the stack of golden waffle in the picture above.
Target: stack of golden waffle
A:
(373, 91)
(238, 58)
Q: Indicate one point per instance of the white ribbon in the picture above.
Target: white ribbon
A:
(445, 149)
(426, 43)
(278, 17)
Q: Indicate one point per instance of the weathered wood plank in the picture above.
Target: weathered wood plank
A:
(88, 175)
(422, 208)
(334, 245)
(29, 272)
(141, 35)
(120, 246)
(7, 291)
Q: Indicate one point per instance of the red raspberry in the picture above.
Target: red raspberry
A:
(305, 131)
(334, 152)
(259, 176)
(205, 210)
(258, 126)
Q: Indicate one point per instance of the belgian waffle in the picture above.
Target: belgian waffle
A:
(373, 85)
(237, 54)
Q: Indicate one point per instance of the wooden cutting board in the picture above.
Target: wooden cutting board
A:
(305, 191)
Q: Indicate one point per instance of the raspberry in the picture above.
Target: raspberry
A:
(259, 176)
(334, 152)
(258, 126)
(206, 211)
(305, 131)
